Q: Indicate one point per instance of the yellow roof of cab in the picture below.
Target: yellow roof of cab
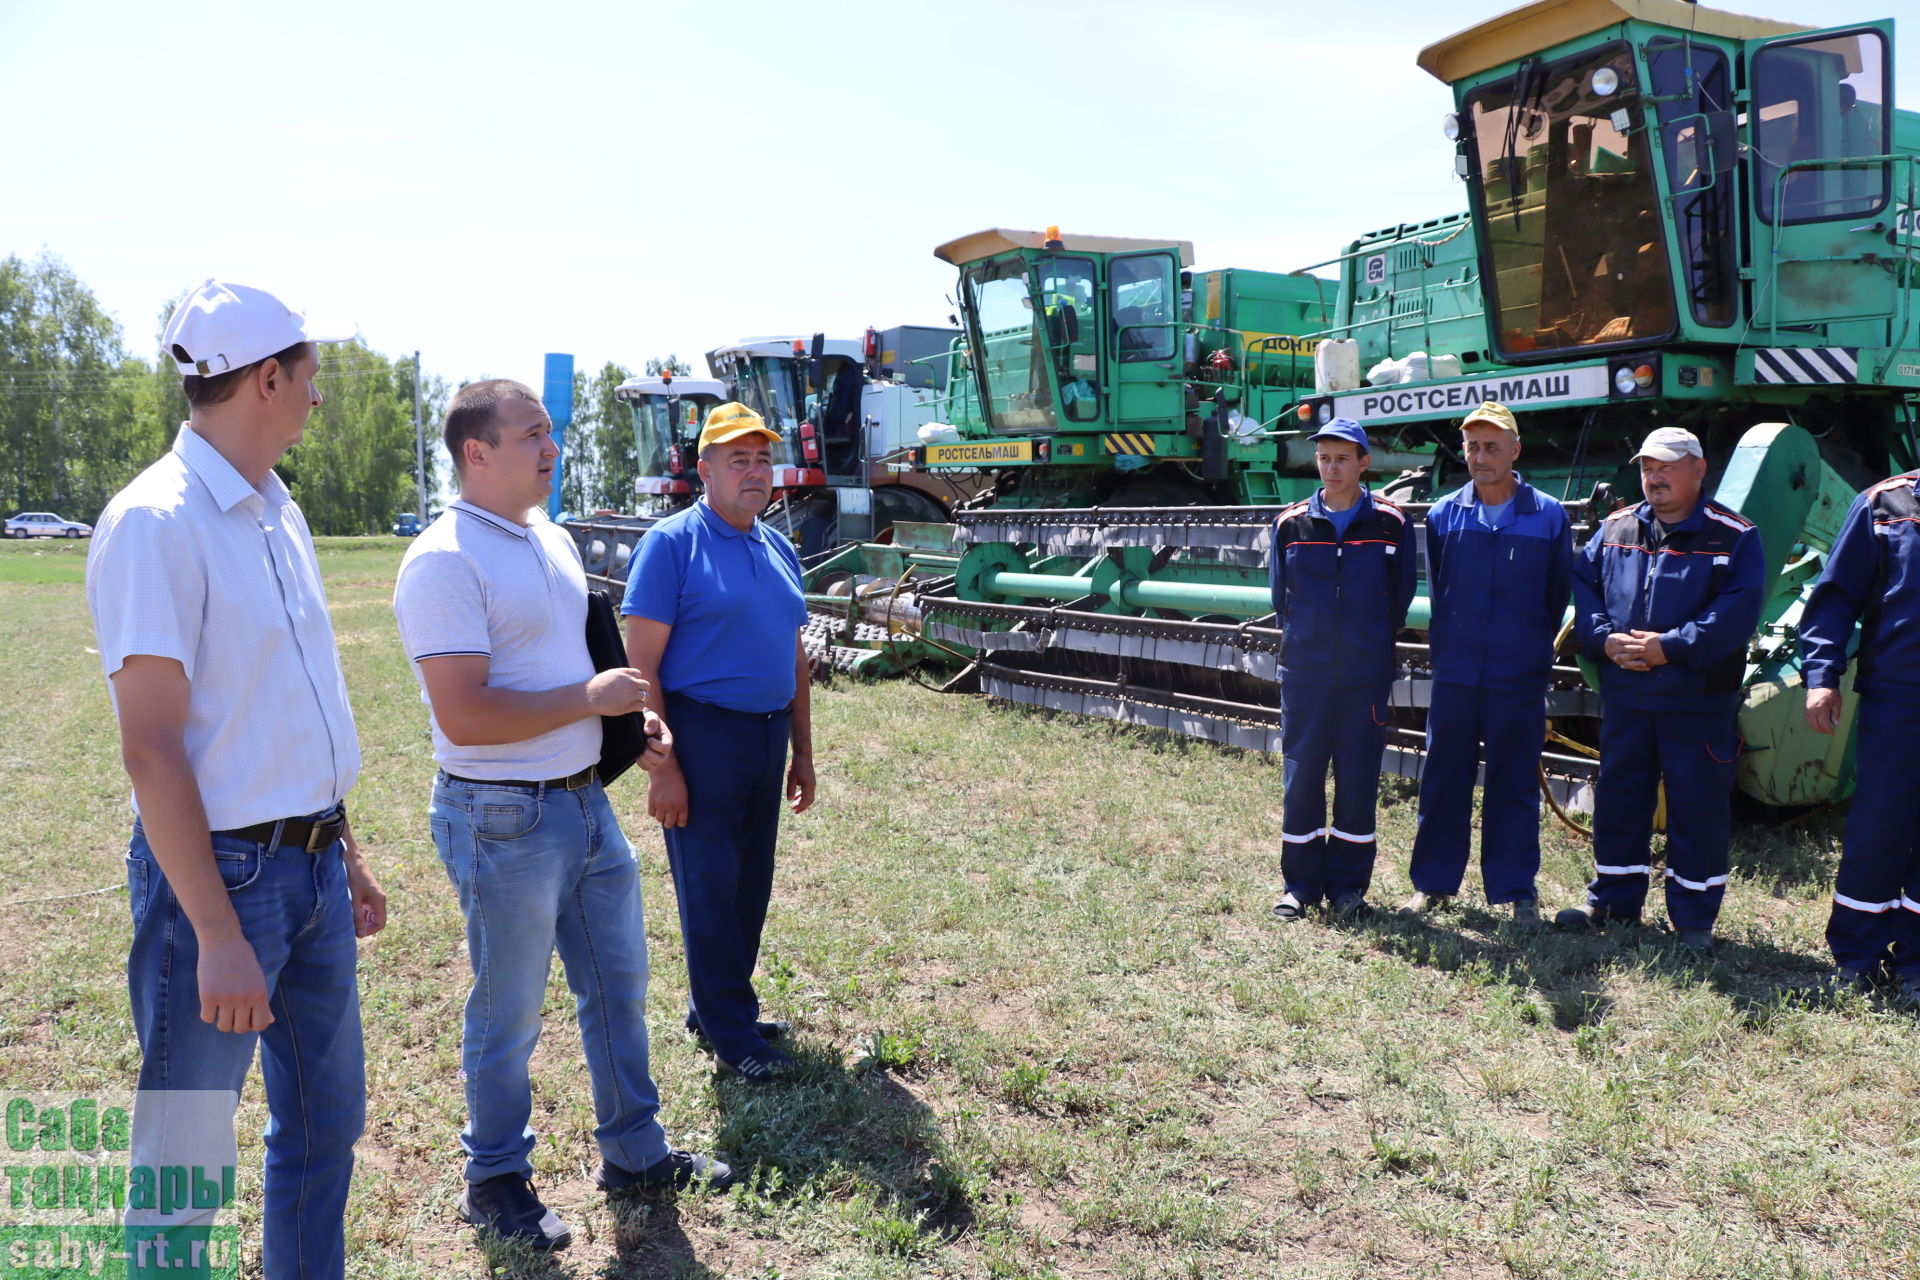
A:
(1541, 25)
(994, 240)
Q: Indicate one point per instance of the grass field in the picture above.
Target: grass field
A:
(1049, 1027)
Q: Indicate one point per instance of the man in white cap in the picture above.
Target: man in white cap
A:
(247, 888)
(1666, 597)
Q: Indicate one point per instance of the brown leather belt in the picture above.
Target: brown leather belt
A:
(310, 834)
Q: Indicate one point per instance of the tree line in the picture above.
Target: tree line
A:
(81, 414)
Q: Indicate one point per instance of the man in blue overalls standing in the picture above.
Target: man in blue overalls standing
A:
(1667, 595)
(1874, 570)
(1499, 570)
(1343, 574)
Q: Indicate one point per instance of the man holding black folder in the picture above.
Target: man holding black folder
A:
(492, 606)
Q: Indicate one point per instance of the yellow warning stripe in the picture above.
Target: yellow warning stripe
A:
(1137, 444)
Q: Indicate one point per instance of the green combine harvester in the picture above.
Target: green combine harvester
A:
(1677, 216)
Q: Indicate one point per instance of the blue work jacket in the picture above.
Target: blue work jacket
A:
(1498, 595)
(1873, 576)
(1701, 588)
(1340, 601)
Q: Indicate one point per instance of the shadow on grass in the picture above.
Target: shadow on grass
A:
(854, 1133)
(1568, 970)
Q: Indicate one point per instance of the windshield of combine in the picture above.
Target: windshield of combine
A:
(1575, 252)
(767, 386)
(1009, 337)
(652, 433)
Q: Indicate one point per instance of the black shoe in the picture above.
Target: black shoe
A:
(1699, 941)
(768, 1066)
(1905, 993)
(507, 1205)
(675, 1171)
(771, 1031)
(1592, 917)
(1353, 906)
(1526, 913)
(1289, 908)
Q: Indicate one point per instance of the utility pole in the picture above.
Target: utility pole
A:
(419, 443)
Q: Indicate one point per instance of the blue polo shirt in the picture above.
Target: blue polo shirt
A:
(733, 600)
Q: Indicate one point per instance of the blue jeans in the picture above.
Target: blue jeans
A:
(296, 911)
(540, 869)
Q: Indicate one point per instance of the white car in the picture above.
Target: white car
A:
(44, 524)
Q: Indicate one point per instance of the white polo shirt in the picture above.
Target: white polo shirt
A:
(477, 583)
(191, 562)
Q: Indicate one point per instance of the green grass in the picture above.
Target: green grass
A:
(1049, 1027)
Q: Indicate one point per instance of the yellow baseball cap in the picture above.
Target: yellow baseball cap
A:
(728, 422)
(1497, 414)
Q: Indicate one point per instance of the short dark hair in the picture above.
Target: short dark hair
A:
(470, 416)
(212, 389)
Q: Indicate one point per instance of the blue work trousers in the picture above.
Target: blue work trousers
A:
(1322, 724)
(1696, 754)
(1503, 729)
(296, 912)
(1876, 897)
(541, 869)
(722, 860)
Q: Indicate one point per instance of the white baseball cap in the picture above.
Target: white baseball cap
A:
(1670, 444)
(223, 326)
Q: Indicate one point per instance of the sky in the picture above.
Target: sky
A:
(485, 183)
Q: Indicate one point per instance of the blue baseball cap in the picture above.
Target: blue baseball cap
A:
(1343, 429)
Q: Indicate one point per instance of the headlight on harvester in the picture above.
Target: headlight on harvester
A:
(1450, 127)
(1624, 381)
(1606, 82)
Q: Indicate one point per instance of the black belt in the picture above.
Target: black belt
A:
(572, 782)
(310, 834)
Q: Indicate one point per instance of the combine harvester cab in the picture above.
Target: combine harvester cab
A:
(850, 413)
(1684, 217)
(667, 410)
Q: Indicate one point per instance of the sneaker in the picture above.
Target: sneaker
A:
(1699, 941)
(1526, 913)
(770, 1031)
(1588, 916)
(1420, 904)
(765, 1067)
(1289, 908)
(1353, 906)
(508, 1206)
(675, 1171)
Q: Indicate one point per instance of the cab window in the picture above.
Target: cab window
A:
(1822, 101)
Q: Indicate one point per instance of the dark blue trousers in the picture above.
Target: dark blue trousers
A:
(1321, 725)
(1876, 898)
(1697, 754)
(722, 860)
(1468, 726)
